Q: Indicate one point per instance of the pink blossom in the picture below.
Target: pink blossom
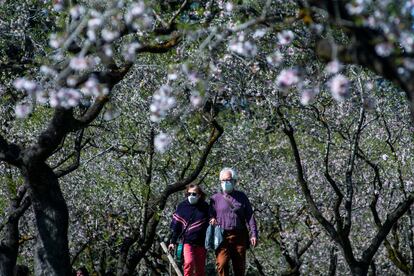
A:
(22, 110)
(65, 97)
(285, 37)
(25, 84)
(339, 86)
(196, 99)
(79, 63)
(308, 95)
(287, 78)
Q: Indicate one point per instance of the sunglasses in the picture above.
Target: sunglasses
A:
(192, 194)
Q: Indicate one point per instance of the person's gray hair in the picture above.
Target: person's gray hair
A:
(232, 171)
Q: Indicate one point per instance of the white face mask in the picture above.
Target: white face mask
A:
(227, 186)
(192, 199)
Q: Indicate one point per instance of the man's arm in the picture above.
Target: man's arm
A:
(212, 212)
(250, 218)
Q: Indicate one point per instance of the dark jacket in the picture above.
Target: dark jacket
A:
(195, 232)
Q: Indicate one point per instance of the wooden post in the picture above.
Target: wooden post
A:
(171, 259)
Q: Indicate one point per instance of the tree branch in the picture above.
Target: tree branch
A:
(10, 153)
(288, 130)
(382, 233)
(76, 162)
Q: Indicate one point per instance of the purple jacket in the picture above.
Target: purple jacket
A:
(237, 218)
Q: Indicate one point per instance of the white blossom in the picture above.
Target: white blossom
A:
(172, 76)
(129, 51)
(162, 101)
(91, 34)
(55, 41)
(109, 35)
(95, 23)
(136, 10)
(407, 41)
(108, 50)
(110, 114)
(48, 71)
(92, 87)
(244, 48)
(42, 97)
(229, 6)
(77, 11)
(356, 7)
(384, 49)
(162, 142)
(275, 58)
(333, 67)
(259, 33)
(79, 63)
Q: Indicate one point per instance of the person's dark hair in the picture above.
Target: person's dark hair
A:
(197, 189)
(83, 270)
(21, 270)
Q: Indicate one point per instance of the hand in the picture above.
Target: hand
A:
(171, 247)
(213, 221)
(253, 241)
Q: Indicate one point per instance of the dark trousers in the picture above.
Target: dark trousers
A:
(233, 248)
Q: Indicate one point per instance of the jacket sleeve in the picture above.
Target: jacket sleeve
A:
(176, 226)
(250, 220)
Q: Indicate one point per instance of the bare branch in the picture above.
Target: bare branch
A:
(350, 169)
(77, 153)
(288, 130)
(392, 218)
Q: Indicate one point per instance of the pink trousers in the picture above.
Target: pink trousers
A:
(194, 260)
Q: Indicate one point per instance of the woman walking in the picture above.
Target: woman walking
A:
(189, 225)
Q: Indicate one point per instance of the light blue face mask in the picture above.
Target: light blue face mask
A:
(227, 186)
(192, 199)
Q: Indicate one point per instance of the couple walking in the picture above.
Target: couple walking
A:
(231, 210)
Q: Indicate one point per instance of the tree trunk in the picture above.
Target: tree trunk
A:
(51, 213)
(9, 243)
(9, 248)
(360, 269)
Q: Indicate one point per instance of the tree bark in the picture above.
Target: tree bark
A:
(359, 269)
(51, 213)
(9, 248)
(9, 244)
